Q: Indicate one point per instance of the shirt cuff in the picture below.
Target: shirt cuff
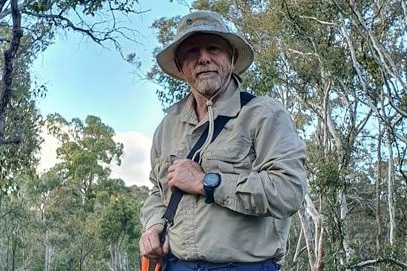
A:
(154, 220)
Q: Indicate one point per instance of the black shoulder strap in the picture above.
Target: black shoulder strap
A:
(219, 123)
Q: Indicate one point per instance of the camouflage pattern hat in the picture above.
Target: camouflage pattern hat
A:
(205, 22)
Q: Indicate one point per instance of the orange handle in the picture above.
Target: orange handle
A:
(151, 264)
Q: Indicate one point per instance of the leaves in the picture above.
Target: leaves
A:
(339, 68)
(74, 213)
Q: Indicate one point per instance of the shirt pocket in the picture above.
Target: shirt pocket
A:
(228, 158)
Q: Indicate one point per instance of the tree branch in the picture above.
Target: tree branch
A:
(378, 261)
(67, 23)
(382, 57)
(317, 20)
(90, 31)
(2, 3)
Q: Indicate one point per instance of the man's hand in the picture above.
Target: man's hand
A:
(150, 246)
(187, 176)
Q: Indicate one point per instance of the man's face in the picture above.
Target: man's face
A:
(205, 60)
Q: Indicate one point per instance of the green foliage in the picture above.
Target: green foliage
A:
(87, 148)
(42, 19)
(102, 213)
(73, 217)
(21, 127)
(340, 69)
(327, 178)
(51, 222)
(89, 7)
(119, 218)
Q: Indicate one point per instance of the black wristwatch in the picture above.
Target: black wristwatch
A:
(210, 182)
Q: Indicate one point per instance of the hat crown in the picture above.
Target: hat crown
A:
(200, 22)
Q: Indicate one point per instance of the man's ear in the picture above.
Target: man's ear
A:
(235, 55)
(177, 64)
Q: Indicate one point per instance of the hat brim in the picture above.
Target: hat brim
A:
(245, 54)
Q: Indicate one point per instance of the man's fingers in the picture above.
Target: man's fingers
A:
(166, 245)
(156, 247)
(150, 243)
(149, 249)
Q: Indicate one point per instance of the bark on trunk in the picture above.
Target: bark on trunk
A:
(390, 187)
(378, 192)
(8, 68)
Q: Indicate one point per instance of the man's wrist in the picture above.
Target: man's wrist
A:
(154, 221)
(210, 182)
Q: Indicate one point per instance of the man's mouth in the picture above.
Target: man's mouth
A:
(204, 73)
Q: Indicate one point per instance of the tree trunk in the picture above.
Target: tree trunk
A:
(8, 69)
(1, 202)
(48, 256)
(312, 229)
(344, 253)
(390, 187)
(378, 192)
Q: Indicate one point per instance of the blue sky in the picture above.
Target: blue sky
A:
(85, 79)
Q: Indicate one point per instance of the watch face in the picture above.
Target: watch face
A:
(211, 180)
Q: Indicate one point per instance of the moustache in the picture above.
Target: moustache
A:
(206, 69)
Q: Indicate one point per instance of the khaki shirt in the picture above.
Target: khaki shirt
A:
(259, 157)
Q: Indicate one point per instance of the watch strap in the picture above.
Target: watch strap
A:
(210, 197)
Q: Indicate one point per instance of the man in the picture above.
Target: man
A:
(239, 196)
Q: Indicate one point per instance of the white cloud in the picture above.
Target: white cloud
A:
(135, 165)
(48, 155)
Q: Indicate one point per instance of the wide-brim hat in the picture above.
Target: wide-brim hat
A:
(211, 23)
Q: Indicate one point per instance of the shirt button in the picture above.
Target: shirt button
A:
(188, 212)
(208, 153)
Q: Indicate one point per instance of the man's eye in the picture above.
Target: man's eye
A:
(188, 51)
(192, 50)
(212, 48)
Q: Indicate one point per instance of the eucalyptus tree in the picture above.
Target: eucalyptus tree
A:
(86, 152)
(339, 67)
(21, 141)
(20, 232)
(39, 20)
(67, 195)
(28, 27)
(118, 225)
(380, 66)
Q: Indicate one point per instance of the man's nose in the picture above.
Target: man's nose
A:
(204, 56)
